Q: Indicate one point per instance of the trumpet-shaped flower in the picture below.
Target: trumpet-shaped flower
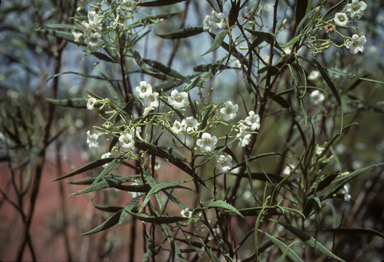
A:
(77, 36)
(229, 111)
(243, 141)
(207, 142)
(214, 21)
(128, 5)
(178, 100)
(341, 19)
(356, 44)
(253, 120)
(144, 89)
(93, 20)
(152, 99)
(126, 141)
(178, 127)
(356, 8)
(224, 164)
(93, 40)
(317, 97)
(186, 213)
(91, 103)
(92, 140)
(106, 155)
(190, 124)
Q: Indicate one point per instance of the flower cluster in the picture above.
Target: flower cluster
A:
(214, 21)
(151, 99)
(92, 31)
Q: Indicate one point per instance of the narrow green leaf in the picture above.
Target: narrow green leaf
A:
(301, 9)
(166, 69)
(110, 222)
(221, 204)
(74, 102)
(148, 20)
(103, 57)
(85, 168)
(328, 81)
(128, 208)
(112, 209)
(174, 248)
(283, 247)
(152, 182)
(158, 187)
(182, 33)
(263, 37)
(344, 230)
(218, 41)
(159, 3)
(330, 10)
(61, 34)
(211, 255)
(89, 181)
(310, 241)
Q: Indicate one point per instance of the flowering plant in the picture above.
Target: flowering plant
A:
(215, 146)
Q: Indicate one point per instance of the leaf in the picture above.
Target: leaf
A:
(128, 208)
(89, 181)
(211, 255)
(329, 82)
(105, 183)
(166, 69)
(263, 37)
(110, 222)
(233, 13)
(222, 204)
(112, 209)
(152, 182)
(148, 20)
(174, 247)
(301, 9)
(330, 10)
(74, 102)
(218, 41)
(344, 230)
(159, 3)
(158, 187)
(182, 33)
(103, 57)
(260, 176)
(284, 248)
(310, 241)
(85, 168)
(61, 34)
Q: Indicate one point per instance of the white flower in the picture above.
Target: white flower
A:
(178, 100)
(152, 99)
(106, 155)
(126, 141)
(77, 36)
(94, 40)
(214, 21)
(319, 150)
(313, 75)
(346, 188)
(186, 213)
(147, 110)
(92, 140)
(317, 97)
(94, 21)
(91, 103)
(87, 28)
(288, 169)
(356, 44)
(190, 124)
(144, 89)
(136, 194)
(229, 111)
(178, 127)
(157, 164)
(244, 140)
(200, 251)
(224, 164)
(341, 19)
(287, 51)
(253, 120)
(356, 8)
(207, 143)
(216, 231)
(128, 5)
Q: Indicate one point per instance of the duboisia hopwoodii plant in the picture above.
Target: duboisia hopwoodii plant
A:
(215, 148)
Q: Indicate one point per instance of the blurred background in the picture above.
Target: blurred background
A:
(40, 142)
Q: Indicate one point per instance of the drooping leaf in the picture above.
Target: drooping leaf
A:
(110, 222)
(328, 81)
(174, 248)
(103, 57)
(160, 3)
(344, 230)
(182, 33)
(112, 209)
(61, 34)
(166, 69)
(74, 102)
(218, 41)
(284, 248)
(310, 241)
(128, 208)
(221, 204)
(263, 37)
